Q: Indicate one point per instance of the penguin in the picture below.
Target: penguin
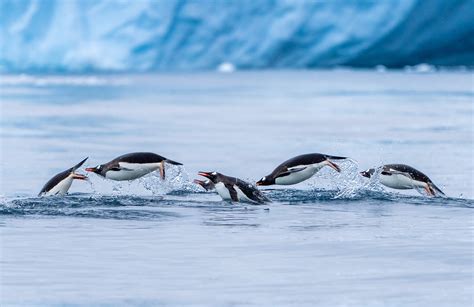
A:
(299, 168)
(234, 189)
(60, 183)
(132, 166)
(403, 177)
(206, 184)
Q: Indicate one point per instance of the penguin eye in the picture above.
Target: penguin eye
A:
(214, 173)
(264, 178)
(98, 167)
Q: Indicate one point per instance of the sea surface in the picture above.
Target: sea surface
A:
(335, 240)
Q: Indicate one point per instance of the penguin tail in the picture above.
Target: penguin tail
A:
(172, 162)
(433, 187)
(335, 157)
(78, 165)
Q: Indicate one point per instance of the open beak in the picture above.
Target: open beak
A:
(79, 176)
(200, 182)
(205, 174)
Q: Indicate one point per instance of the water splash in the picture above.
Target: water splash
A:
(177, 179)
(348, 183)
(149, 185)
(150, 197)
(157, 207)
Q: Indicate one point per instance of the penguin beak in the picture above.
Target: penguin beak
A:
(79, 176)
(365, 174)
(200, 182)
(259, 182)
(205, 174)
(91, 169)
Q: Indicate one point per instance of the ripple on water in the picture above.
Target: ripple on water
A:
(219, 212)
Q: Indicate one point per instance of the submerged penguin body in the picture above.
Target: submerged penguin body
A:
(234, 189)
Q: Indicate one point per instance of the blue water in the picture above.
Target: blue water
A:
(335, 240)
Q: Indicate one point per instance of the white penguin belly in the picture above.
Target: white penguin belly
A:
(399, 181)
(300, 176)
(222, 191)
(130, 171)
(61, 188)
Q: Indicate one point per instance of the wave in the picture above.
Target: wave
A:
(164, 207)
(150, 198)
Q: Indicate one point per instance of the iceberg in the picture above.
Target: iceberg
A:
(147, 35)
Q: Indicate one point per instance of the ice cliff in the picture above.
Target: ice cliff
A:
(146, 35)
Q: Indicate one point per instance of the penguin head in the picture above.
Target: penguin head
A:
(99, 170)
(206, 184)
(214, 177)
(368, 173)
(267, 180)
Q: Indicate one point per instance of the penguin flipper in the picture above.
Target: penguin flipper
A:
(120, 168)
(390, 172)
(232, 192)
(291, 171)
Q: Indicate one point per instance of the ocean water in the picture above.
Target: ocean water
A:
(335, 240)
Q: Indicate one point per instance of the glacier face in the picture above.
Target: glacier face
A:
(147, 35)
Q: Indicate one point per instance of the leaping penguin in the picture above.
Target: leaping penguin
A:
(206, 184)
(234, 189)
(403, 177)
(60, 183)
(299, 168)
(132, 166)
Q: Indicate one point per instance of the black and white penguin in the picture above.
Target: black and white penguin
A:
(132, 166)
(234, 189)
(300, 168)
(60, 183)
(206, 184)
(403, 177)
